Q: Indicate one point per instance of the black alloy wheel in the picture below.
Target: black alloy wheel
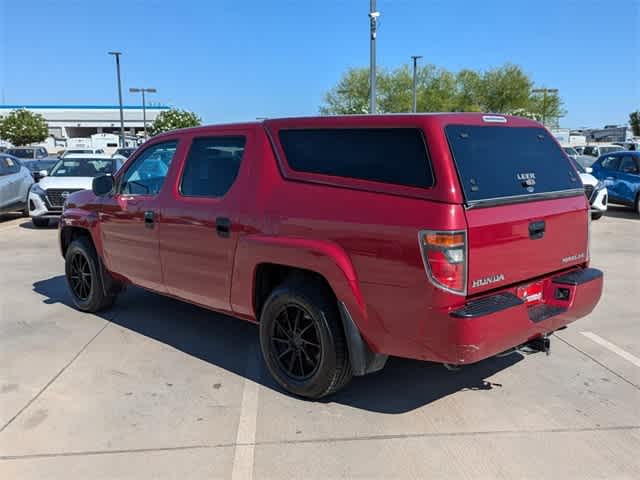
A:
(80, 278)
(296, 342)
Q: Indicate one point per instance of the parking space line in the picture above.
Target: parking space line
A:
(614, 348)
(243, 457)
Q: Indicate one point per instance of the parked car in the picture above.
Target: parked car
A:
(594, 189)
(70, 174)
(620, 172)
(123, 152)
(445, 237)
(39, 168)
(585, 161)
(15, 181)
(80, 151)
(597, 150)
(28, 153)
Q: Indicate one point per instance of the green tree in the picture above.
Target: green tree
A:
(173, 119)
(22, 127)
(634, 121)
(505, 89)
(350, 95)
(546, 108)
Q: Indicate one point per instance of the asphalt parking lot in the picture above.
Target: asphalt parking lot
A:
(156, 388)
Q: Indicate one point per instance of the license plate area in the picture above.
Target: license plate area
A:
(531, 294)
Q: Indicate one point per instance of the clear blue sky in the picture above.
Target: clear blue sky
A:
(236, 60)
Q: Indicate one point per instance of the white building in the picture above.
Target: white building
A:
(73, 121)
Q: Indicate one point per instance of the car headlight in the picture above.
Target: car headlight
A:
(37, 189)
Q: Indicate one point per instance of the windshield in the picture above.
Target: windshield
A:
(83, 167)
(69, 152)
(125, 152)
(21, 152)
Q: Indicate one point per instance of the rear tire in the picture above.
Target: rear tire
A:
(40, 222)
(302, 339)
(84, 278)
(638, 203)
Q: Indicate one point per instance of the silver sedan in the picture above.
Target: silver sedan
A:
(15, 182)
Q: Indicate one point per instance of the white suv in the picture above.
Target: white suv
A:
(71, 174)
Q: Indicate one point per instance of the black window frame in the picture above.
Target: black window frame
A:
(384, 186)
(230, 135)
(125, 171)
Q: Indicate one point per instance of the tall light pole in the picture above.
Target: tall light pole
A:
(415, 72)
(373, 23)
(117, 55)
(144, 105)
(544, 92)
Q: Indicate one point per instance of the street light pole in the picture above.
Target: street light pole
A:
(373, 24)
(117, 55)
(415, 70)
(544, 92)
(144, 105)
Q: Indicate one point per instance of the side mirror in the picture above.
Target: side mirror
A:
(588, 169)
(43, 173)
(102, 185)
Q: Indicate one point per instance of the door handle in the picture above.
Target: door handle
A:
(610, 178)
(536, 230)
(149, 219)
(223, 227)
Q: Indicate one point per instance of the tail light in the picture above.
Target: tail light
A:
(445, 259)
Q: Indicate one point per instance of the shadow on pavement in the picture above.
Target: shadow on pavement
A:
(403, 385)
(53, 224)
(619, 211)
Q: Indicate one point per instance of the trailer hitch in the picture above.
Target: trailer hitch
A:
(538, 344)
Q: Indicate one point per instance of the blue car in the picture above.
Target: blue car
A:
(620, 172)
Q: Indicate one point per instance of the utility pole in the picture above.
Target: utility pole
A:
(117, 55)
(544, 92)
(415, 72)
(373, 22)
(144, 105)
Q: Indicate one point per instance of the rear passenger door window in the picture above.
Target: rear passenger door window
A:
(147, 174)
(628, 165)
(212, 166)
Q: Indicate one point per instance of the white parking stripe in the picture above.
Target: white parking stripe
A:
(246, 437)
(614, 348)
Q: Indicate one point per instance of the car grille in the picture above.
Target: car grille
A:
(56, 198)
(588, 191)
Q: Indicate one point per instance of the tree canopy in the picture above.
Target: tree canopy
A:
(506, 89)
(173, 119)
(634, 121)
(22, 127)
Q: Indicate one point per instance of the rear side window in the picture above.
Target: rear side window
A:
(389, 155)
(497, 162)
(212, 166)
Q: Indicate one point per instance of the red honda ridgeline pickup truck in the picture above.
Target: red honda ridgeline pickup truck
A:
(442, 237)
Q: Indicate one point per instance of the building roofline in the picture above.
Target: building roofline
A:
(86, 107)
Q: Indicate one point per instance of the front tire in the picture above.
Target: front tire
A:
(597, 215)
(40, 222)
(84, 278)
(302, 339)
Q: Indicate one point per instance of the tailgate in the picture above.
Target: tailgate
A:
(512, 243)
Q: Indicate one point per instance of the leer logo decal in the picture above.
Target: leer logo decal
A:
(573, 258)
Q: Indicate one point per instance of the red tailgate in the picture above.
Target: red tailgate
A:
(511, 243)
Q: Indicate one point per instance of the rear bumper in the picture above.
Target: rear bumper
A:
(493, 324)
